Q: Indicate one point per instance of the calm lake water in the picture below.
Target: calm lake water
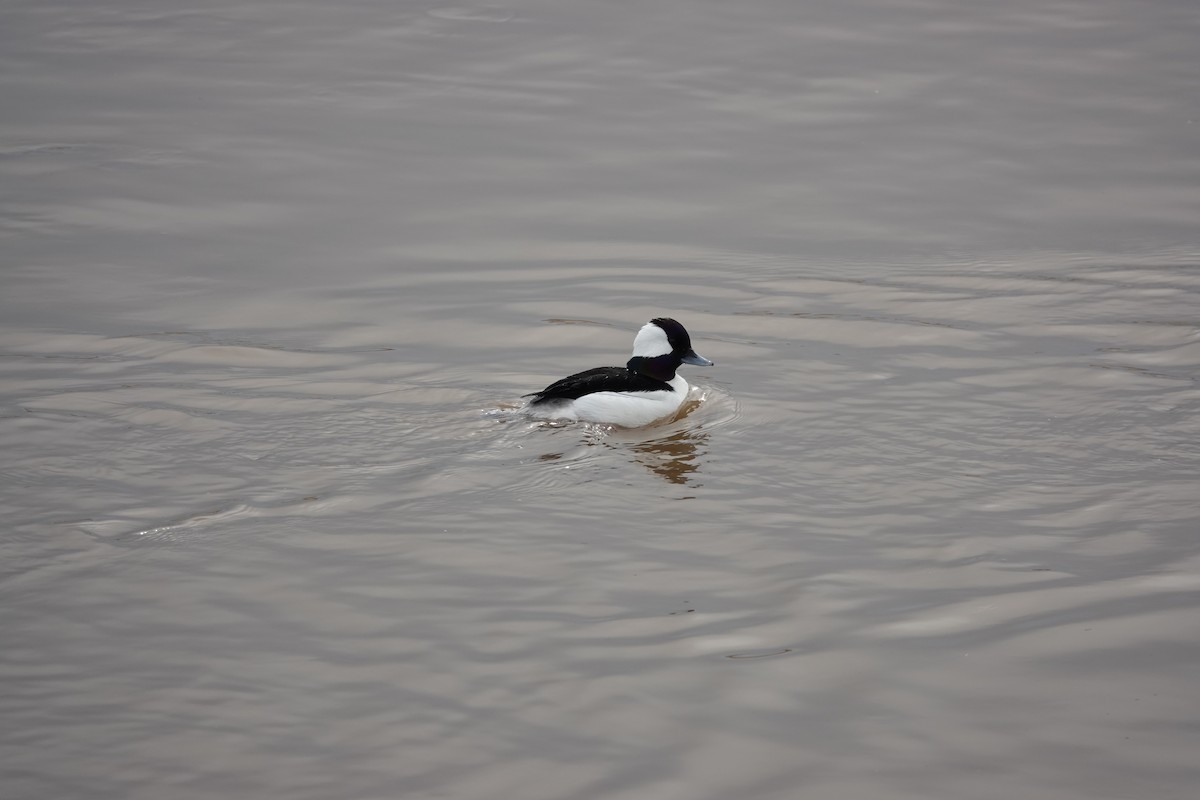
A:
(275, 275)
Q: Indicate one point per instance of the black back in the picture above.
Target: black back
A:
(600, 379)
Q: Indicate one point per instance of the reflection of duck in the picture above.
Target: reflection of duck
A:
(646, 389)
(673, 457)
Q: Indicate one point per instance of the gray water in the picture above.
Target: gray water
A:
(275, 275)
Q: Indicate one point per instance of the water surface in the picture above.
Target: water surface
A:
(275, 276)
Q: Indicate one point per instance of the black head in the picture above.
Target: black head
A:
(660, 347)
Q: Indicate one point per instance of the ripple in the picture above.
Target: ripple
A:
(767, 653)
(484, 13)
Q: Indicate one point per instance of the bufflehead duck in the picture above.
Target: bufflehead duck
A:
(644, 390)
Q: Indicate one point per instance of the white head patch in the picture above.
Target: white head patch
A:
(651, 341)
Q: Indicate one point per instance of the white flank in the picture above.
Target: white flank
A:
(627, 409)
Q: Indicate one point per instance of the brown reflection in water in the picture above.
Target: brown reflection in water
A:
(667, 449)
(674, 458)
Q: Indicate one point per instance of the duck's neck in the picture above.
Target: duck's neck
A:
(658, 367)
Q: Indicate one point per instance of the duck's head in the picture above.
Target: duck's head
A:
(660, 347)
